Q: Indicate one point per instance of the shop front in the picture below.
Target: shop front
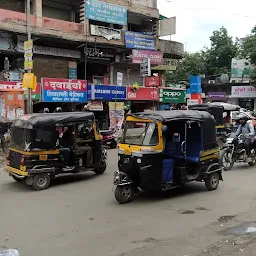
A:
(112, 98)
(143, 99)
(217, 96)
(64, 93)
(244, 96)
(169, 97)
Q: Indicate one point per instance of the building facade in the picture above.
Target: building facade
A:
(85, 39)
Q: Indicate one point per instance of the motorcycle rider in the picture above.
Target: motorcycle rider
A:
(246, 128)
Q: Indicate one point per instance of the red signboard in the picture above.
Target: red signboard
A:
(57, 84)
(152, 81)
(156, 58)
(142, 93)
(196, 96)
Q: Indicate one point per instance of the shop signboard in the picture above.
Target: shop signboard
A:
(72, 70)
(106, 12)
(243, 91)
(152, 81)
(116, 115)
(95, 106)
(172, 96)
(145, 68)
(138, 40)
(156, 58)
(36, 95)
(119, 78)
(217, 96)
(63, 90)
(143, 93)
(106, 92)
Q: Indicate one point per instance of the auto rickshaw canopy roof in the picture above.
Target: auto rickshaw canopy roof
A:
(51, 119)
(171, 115)
(208, 121)
(225, 106)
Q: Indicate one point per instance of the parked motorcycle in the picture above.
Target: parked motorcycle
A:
(232, 154)
(109, 138)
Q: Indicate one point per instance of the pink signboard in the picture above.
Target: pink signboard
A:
(156, 58)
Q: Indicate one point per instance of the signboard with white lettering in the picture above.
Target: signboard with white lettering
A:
(145, 67)
(172, 96)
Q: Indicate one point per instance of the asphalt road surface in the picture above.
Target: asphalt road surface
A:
(78, 215)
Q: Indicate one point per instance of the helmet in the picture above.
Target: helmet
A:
(243, 118)
(85, 108)
(58, 109)
(46, 110)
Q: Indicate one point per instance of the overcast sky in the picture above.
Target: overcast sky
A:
(196, 19)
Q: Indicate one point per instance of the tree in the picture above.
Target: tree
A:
(219, 56)
(249, 46)
(191, 64)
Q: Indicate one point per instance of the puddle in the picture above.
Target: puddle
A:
(226, 218)
(248, 228)
(186, 212)
(202, 209)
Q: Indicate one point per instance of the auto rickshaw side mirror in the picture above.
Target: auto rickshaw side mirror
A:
(164, 128)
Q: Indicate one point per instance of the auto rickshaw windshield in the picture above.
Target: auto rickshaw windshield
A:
(141, 134)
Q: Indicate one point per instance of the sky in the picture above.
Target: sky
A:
(197, 19)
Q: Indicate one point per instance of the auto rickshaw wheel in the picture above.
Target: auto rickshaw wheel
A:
(253, 163)
(212, 182)
(41, 181)
(124, 194)
(101, 170)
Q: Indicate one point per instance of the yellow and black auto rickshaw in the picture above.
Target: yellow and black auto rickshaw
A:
(171, 149)
(44, 146)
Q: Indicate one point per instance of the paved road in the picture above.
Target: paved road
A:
(78, 215)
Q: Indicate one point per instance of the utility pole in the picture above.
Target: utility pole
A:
(29, 98)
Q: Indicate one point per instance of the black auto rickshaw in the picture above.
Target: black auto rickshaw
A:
(44, 146)
(169, 150)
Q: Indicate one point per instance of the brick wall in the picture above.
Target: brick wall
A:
(13, 5)
(50, 67)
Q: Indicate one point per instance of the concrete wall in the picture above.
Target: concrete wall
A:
(134, 75)
(45, 66)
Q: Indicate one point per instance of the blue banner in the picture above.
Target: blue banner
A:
(64, 96)
(195, 84)
(105, 12)
(106, 92)
(137, 40)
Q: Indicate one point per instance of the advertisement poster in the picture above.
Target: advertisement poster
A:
(116, 115)
(137, 40)
(63, 90)
(105, 12)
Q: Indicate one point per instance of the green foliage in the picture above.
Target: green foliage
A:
(249, 46)
(191, 64)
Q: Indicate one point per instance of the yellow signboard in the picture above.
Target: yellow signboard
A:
(116, 106)
(28, 45)
(29, 81)
(28, 64)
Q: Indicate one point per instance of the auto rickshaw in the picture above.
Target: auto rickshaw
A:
(171, 149)
(44, 146)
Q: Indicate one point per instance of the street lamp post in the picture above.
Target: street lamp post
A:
(29, 98)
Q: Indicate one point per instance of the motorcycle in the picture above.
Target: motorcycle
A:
(109, 138)
(232, 154)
